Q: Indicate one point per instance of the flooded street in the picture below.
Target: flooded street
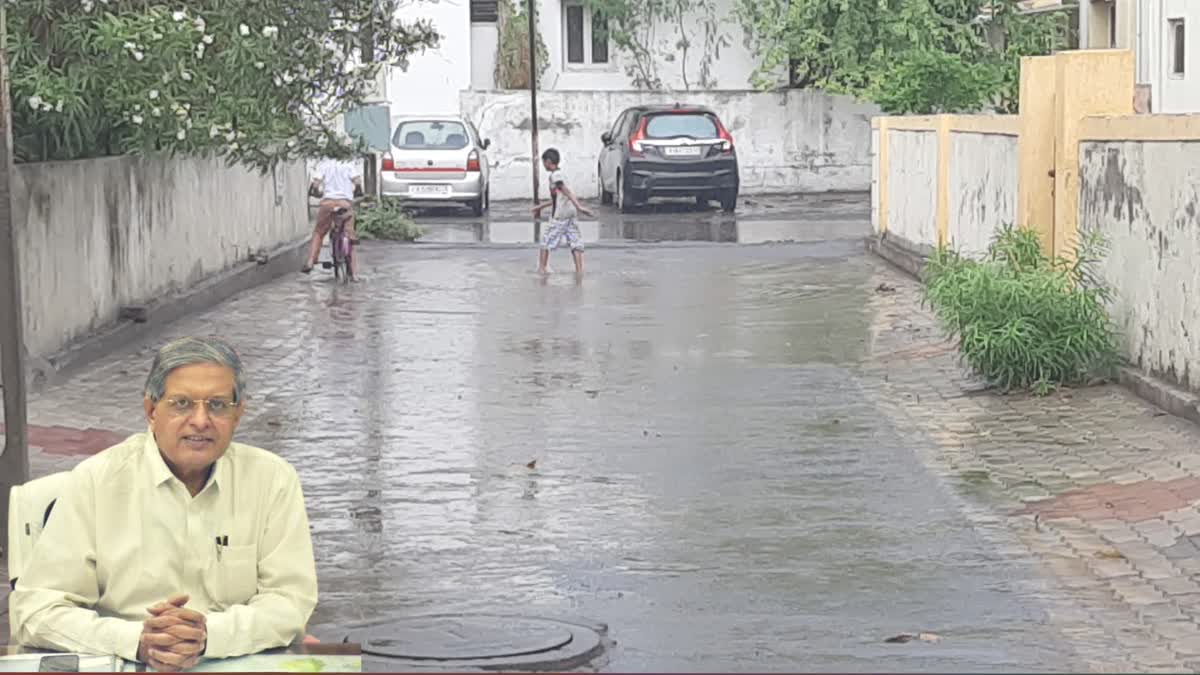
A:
(685, 446)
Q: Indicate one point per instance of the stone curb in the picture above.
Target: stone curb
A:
(1158, 392)
(56, 368)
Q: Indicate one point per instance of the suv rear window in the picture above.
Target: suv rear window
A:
(430, 135)
(676, 125)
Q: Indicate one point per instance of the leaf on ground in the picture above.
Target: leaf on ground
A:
(1109, 554)
(531, 465)
(909, 637)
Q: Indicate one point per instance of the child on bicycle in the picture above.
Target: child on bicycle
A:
(564, 209)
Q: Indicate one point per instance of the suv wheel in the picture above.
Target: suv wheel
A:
(624, 199)
(729, 200)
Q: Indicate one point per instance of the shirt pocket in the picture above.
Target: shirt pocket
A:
(233, 576)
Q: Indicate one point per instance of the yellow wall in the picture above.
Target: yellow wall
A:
(1065, 98)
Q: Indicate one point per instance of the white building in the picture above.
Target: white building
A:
(1165, 36)
(581, 58)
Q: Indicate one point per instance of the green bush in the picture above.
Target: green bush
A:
(1022, 319)
(385, 220)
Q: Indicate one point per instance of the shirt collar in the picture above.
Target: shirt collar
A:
(161, 473)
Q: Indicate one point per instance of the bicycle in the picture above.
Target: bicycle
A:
(341, 246)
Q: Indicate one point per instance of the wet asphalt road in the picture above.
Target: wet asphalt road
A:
(682, 446)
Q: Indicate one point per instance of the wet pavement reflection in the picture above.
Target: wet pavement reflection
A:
(680, 446)
(686, 446)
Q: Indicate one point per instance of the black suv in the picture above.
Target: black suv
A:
(668, 151)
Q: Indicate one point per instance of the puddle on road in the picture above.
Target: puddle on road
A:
(728, 232)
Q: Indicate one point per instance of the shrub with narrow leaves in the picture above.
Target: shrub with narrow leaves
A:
(385, 220)
(1022, 319)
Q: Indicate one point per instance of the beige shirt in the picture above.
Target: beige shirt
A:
(127, 535)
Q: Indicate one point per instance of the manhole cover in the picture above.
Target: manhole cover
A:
(466, 638)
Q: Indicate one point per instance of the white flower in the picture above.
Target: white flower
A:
(349, 68)
(186, 76)
(260, 65)
(138, 119)
(278, 81)
(270, 31)
(230, 136)
(166, 78)
(153, 94)
(58, 107)
(291, 143)
(200, 50)
(156, 111)
(213, 131)
(137, 106)
(138, 56)
(212, 89)
(35, 101)
(156, 36)
(181, 134)
(234, 147)
(179, 16)
(188, 123)
(288, 78)
(244, 30)
(46, 107)
(87, 5)
(200, 24)
(130, 46)
(207, 39)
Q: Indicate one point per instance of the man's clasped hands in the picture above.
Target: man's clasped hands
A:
(174, 637)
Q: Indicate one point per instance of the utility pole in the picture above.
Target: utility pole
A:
(14, 461)
(533, 85)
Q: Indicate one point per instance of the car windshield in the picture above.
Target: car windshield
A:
(430, 135)
(677, 125)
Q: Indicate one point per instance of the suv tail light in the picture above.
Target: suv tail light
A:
(635, 141)
(388, 164)
(473, 161)
(726, 138)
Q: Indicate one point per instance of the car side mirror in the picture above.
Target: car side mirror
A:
(487, 143)
(606, 138)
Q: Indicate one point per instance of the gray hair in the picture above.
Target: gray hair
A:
(190, 351)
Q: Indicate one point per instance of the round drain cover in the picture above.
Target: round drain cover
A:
(466, 638)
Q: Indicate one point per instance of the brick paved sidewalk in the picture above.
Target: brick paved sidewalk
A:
(1100, 486)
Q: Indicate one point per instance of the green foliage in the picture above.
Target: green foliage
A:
(512, 57)
(385, 220)
(255, 82)
(932, 82)
(636, 28)
(1022, 319)
(910, 56)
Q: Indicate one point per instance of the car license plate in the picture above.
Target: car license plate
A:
(430, 190)
(681, 151)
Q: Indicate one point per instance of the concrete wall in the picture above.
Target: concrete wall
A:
(794, 141)
(944, 179)
(983, 188)
(731, 69)
(94, 235)
(912, 187)
(1141, 190)
(431, 83)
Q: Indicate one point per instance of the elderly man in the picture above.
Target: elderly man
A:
(176, 544)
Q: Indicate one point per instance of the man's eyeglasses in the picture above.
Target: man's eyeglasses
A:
(182, 406)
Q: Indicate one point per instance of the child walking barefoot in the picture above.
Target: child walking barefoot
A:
(564, 210)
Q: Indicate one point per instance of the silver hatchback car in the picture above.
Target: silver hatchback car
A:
(437, 160)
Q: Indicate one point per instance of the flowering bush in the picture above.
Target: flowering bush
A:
(257, 81)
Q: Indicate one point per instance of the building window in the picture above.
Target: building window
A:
(484, 11)
(1112, 26)
(1178, 47)
(585, 34)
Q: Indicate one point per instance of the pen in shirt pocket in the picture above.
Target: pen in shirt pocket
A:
(222, 542)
